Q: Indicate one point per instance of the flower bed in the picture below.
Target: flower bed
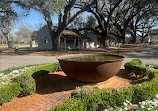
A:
(5, 77)
(93, 98)
(146, 105)
(21, 80)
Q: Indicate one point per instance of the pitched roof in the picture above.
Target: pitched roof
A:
(69, 34)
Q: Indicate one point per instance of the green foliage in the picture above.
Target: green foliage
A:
(93, 98)
(144, 91)
(78, 23)
(155, 66)
(72, 104)
(116, 97)
(90, 96)
(27, 84)
(91, 22)
(16, 68)
(8, 92)
(43, 70)
(135, 67)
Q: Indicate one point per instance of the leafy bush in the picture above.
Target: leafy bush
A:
(132, 66)
(90, 96)
(93, 97)
(27, 84)
(144, 91)
(116, 96)
(138, 61)
(71, 104)
(135, 67)
(43, 70)
(8, 92)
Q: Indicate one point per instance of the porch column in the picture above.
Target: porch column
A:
(65, 43)
(83, 44)
(74, 43)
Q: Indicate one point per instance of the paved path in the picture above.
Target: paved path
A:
(147, 55)
(7, 61)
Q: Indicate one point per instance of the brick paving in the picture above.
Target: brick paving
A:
(52, 99)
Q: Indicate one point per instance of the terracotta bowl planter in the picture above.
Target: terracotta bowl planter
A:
(90, 71)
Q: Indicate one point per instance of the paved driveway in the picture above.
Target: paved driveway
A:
(20, 60)
(147, 55)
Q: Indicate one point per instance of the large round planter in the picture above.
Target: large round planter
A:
(90, 71)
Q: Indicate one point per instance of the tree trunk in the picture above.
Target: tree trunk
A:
(142, 39)
(134, 37)
(123, 33)
(8, 41)
(105, 39)
(56, 40)
(2, 40)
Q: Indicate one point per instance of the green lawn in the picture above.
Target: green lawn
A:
(4, 47)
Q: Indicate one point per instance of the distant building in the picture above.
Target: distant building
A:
(149, 39)
(69, 40)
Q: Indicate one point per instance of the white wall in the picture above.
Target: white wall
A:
(93, 41)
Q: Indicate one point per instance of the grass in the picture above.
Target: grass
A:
(21, 47)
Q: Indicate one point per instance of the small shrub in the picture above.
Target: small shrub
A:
(138, 61)
(43, 70)
(72, 104)
(115, 96)
(27, 84)
(89, 95)
(8, 92)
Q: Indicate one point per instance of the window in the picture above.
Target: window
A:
(46, 40)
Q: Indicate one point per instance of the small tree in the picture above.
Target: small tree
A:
(24, 31)
(7, 18)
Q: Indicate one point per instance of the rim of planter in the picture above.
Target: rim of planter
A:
(80, 55)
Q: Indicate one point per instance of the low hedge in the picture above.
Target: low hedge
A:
(8, 92)
(93, 98)
(25, 84)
